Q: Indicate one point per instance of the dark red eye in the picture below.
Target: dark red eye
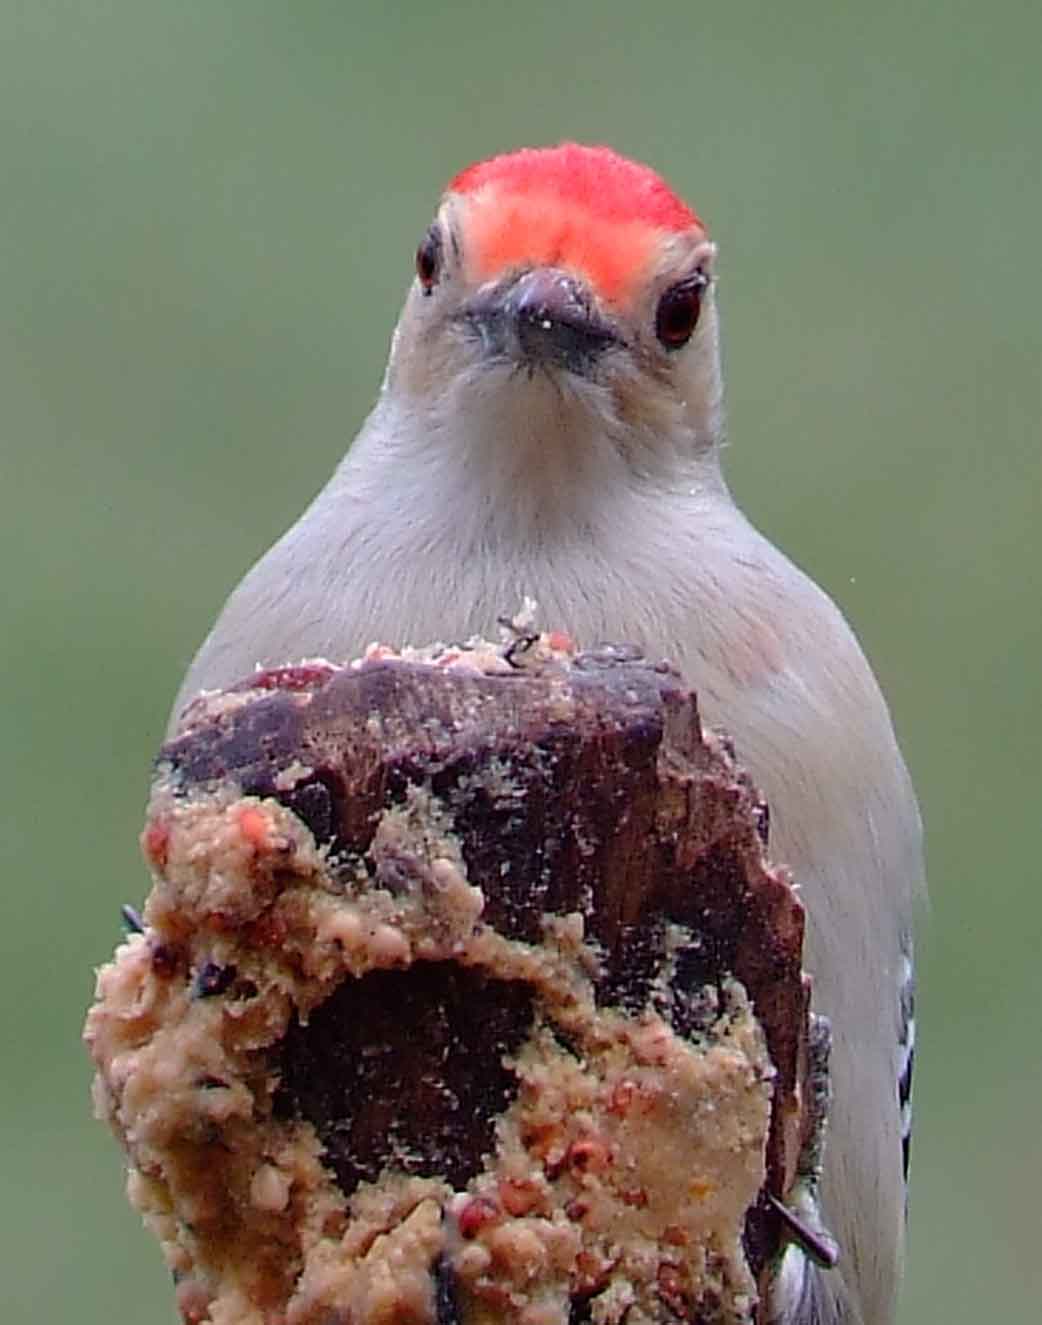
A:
(428, 259)
(678, 310)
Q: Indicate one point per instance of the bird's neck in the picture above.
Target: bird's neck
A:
(529, 466)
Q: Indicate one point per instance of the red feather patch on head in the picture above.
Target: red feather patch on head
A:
(597, 179)
(586, 208)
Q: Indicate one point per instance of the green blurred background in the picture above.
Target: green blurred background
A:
(208, 213)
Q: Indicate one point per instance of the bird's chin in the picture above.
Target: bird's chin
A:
(520, 395)
(535, 378)
(526, 371)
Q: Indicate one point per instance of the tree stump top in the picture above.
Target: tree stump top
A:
(465, 994)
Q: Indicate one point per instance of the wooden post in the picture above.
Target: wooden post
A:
(465, 995)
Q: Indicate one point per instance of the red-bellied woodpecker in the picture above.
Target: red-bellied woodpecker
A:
(550, 425)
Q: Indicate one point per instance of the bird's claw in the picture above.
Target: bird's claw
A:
(800, 1212)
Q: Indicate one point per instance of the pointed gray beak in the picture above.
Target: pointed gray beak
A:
(544, 317)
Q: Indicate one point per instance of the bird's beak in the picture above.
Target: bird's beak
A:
(544, 317)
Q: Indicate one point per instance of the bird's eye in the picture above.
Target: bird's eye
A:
(428, 259)
(678, 310)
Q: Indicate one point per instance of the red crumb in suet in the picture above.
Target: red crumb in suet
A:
(589, 1155)
(301, 676)
(154, 842)
(193, 1302)
(592, 1270)
(253, 824)
(561, 642)
(475, 1214)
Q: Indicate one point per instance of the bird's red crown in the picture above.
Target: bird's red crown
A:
(583, 208)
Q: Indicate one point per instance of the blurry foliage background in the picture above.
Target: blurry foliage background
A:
(207, 219)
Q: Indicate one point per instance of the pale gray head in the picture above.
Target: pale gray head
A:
(562, 292)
